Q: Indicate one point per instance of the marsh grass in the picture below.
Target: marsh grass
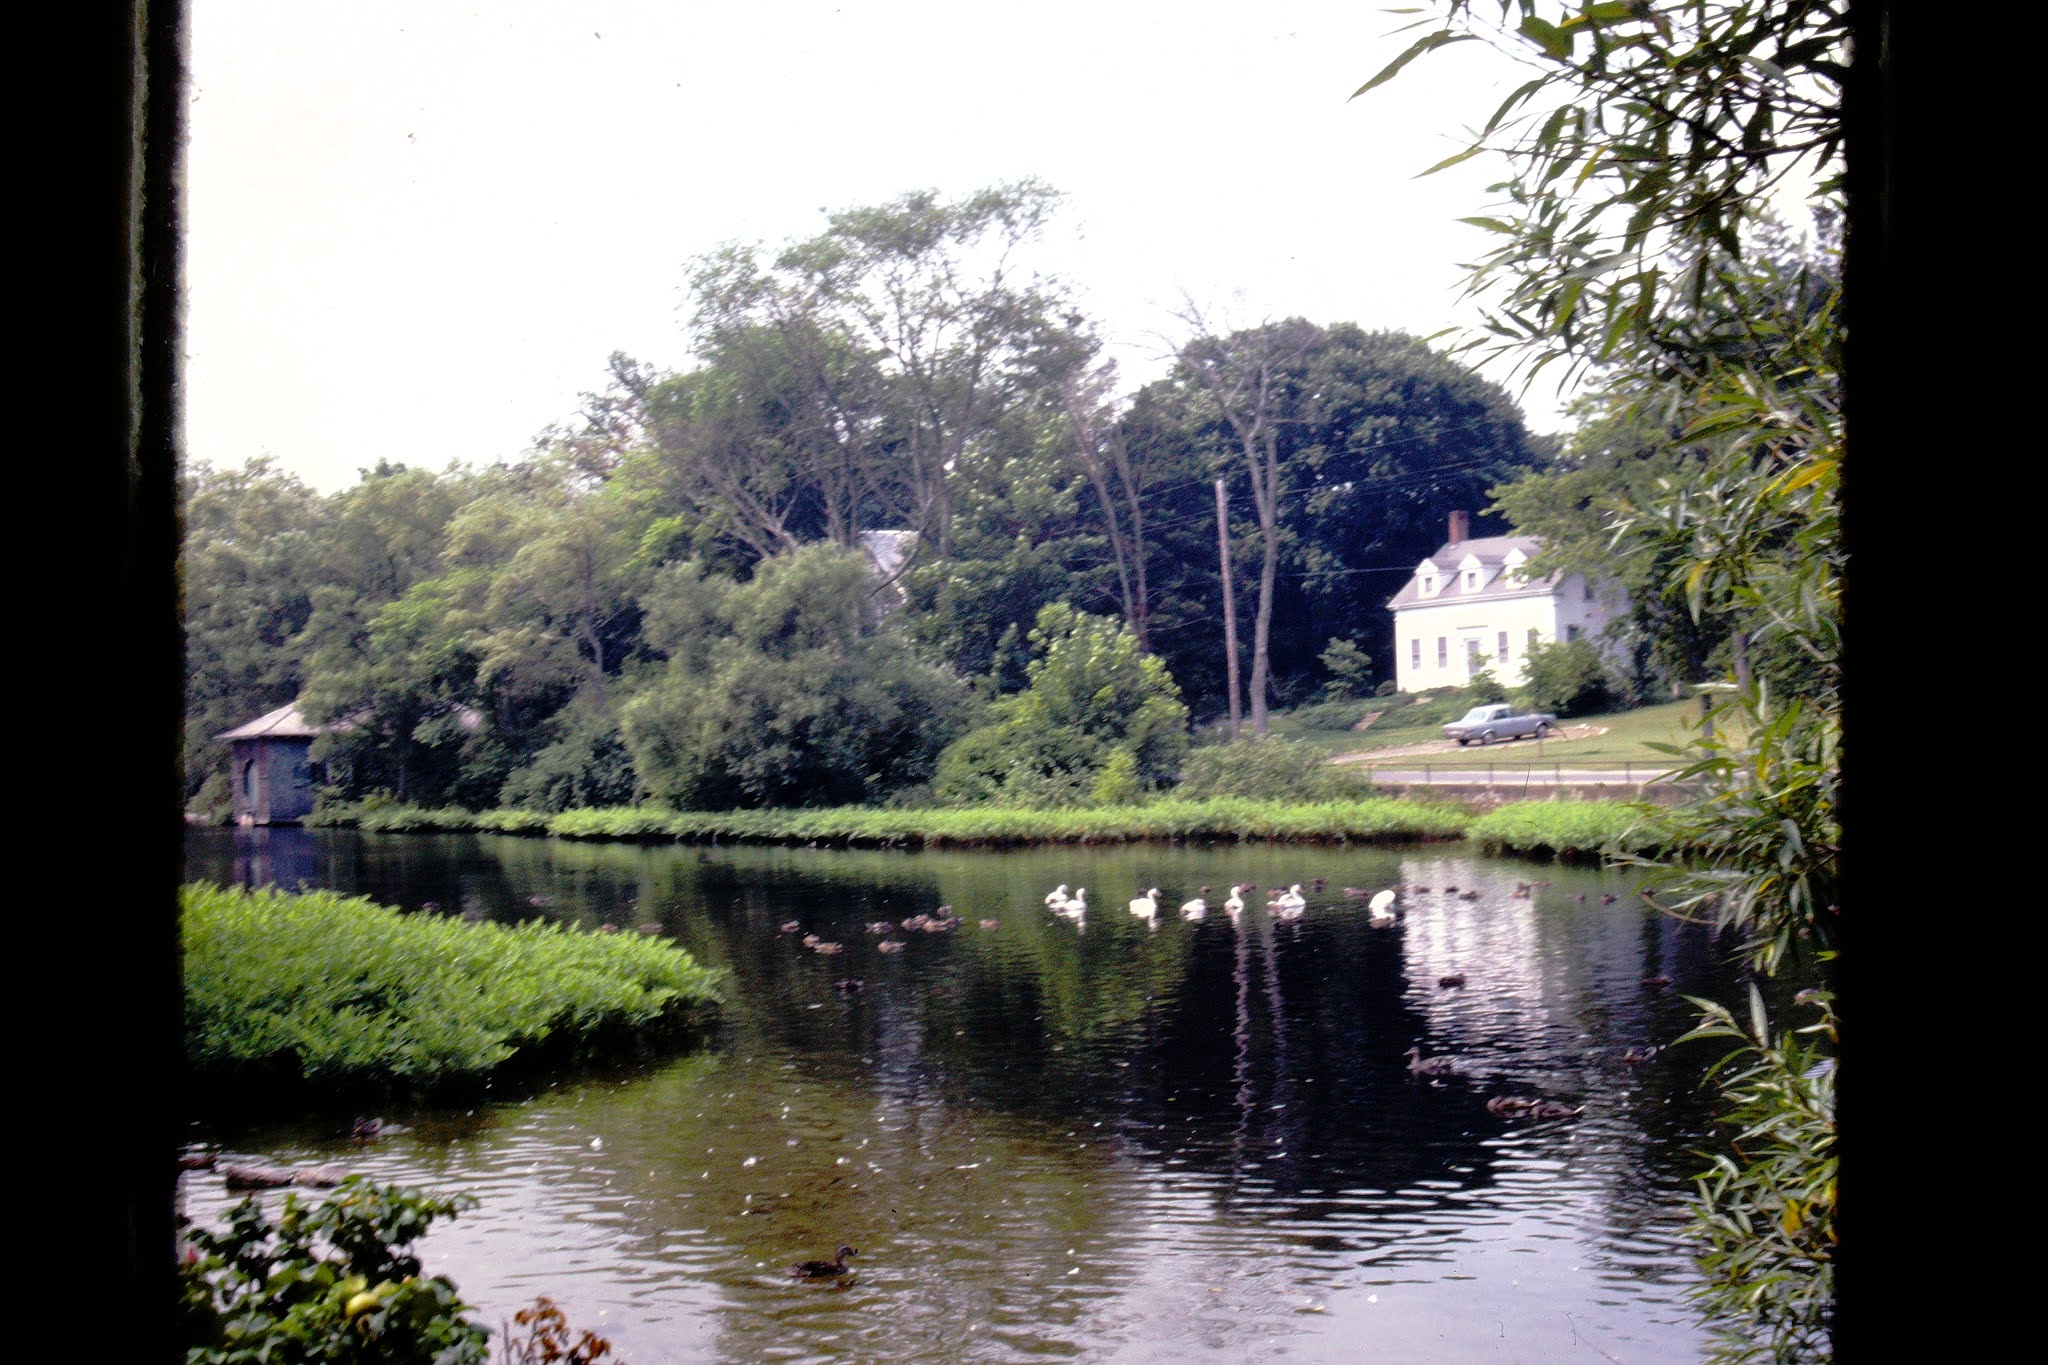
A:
(1226, 820)
(323, 996)
(1574, 831)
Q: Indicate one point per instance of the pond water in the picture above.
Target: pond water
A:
(1110, 1141)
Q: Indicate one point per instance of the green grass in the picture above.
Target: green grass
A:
(1628, 741)
(329, 996)
(1223, 819)
(1572, 830)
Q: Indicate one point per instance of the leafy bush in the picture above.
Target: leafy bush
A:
(1574, 829)
(330, 1283)
(318, 988)
(1264, 770)
(1568, 678)
(1093, 695)
(1350, 670)
(1333, 715)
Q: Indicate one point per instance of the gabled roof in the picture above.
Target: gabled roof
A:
(283, 723)
(1488, 550)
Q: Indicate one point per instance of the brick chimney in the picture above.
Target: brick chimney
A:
(1461, 527)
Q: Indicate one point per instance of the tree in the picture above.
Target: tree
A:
(252, 554)
(895, 340)
(1366, 441)
(1100, 714)
(1646, 139)
(793, 689)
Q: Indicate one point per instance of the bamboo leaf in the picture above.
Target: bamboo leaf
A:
(1428, 43)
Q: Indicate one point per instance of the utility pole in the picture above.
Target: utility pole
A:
(1229, 607)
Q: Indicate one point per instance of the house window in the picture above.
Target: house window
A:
(1571, 632)
(1532, 639)
(1471, 580)
(1471, 656)
(1429, 585)
(1415, 652)
(1443, 652)
(1503, 646)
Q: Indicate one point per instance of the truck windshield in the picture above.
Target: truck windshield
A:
(1477, 714)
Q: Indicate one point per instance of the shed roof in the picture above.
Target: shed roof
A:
(283, 723)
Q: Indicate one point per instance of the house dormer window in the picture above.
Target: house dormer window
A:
(1471, 580)
(1429, 585)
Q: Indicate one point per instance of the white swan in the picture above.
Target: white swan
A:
(1291, 898)
(1235, 905)
(1382, 907)
(1077, 904)
(1057, 897)
(1147, 904)
(1197, 908)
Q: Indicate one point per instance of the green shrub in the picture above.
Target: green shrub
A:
(1264, 770)
(1568, 678)
(334, 991)
(1574, 829)
(1333, 715)
(330, 1283)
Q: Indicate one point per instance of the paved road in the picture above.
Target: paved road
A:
(1512, 774)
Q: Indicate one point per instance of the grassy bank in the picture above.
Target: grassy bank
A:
(1224, 820)
(293, 994)
(1572, 830)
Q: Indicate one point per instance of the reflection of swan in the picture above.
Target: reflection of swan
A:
(1420, 1065)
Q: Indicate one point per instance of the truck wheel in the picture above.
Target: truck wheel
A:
(1545, 730)
(1486, 736)
(1463, 742)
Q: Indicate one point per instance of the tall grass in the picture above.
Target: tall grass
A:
(335, 993)
(1222, 819)
(1574, 830)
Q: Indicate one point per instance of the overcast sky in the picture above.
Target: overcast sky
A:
(417, 229)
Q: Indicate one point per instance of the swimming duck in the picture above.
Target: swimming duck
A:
(823, 1270)
(1453, 980)
(792, 926)
(1510, 1105)
(991, 924)
(1656, 983)
(1419, 1065)
(367, 1129)
(1551, 1109)
(828, 947)
(879, 926)
(650, 930)
(810, 940)
(1636, 1056)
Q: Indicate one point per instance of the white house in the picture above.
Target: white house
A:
(1471, 606)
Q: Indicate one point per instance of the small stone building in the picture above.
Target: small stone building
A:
(271, 765)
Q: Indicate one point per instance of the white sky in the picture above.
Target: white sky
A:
(417, 229)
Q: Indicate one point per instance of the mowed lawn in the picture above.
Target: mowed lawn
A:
(1625, 743)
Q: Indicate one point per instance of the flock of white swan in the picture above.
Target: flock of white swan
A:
(1288, 904)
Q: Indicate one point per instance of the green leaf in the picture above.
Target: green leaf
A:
(1427, 43)
(1474, 150)
(1552, 39)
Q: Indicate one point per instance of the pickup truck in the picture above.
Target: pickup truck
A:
(1489, 723)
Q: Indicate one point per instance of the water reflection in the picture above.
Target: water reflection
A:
(1133, 1142)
